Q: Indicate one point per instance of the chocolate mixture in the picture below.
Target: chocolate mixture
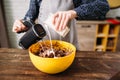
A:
(45, 50)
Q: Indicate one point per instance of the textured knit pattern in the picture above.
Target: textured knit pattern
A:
(86, 9)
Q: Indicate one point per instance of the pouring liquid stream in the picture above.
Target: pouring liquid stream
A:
(51, 50)
(46, 26)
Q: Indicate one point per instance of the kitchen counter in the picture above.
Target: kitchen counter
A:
(16, 64)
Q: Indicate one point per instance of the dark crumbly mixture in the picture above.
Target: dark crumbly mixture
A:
(46, 51)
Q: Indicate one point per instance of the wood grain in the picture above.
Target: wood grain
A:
(16, 64)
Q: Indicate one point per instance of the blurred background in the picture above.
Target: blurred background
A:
(10, 10)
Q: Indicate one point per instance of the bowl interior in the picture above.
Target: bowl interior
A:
(52, 65)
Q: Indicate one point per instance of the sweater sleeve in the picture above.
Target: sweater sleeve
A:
(91, 9)
(33, 10)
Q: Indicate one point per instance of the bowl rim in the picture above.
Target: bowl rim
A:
(53, 58)
(73, 52)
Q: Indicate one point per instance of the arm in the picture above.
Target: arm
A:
(33, 11)
(91, 9)
(31, 14)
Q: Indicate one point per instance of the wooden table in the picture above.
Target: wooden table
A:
(16, 64)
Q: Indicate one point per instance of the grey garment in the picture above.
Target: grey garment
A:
(52, 6)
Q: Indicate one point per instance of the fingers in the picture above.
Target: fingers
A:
(18, 26)
(64, 21)
(58, 21)
(54, 18)
(61, 18)
(61, 26)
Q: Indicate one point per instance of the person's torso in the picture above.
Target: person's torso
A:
(52, 6)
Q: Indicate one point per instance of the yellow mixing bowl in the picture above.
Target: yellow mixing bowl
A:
(53, 65)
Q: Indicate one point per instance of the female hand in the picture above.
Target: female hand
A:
(61, 18)
(18, 26)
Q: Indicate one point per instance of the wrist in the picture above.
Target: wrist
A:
(73, 14)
